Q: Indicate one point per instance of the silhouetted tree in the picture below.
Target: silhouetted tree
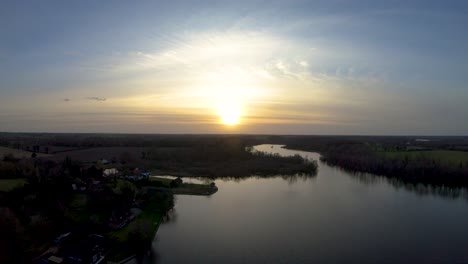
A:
(140, 238)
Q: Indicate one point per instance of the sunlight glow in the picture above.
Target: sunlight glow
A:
(226, 74)
(230, 113)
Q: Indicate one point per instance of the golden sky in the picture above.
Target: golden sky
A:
(289, 68)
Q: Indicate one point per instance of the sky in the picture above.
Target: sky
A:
(251, 67)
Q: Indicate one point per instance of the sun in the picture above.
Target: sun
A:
(230, 113)
(230, 119)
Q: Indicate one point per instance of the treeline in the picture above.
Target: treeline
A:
(382, 143)
(30, 140)
(315, 143)
(226, 156)
(363, 158)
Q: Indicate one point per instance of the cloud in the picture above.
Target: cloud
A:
(304, 63)
(97, 99)
(197, 54)
(263, 56)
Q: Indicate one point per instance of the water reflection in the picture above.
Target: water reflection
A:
(429, 189)
(421, 189)
(334, 217)
(291, 179)
(449, 192)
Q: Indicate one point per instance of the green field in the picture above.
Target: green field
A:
(448, 157)
(9, 184)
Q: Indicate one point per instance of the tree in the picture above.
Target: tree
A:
(11, 244)
(140, 236)
(94, 172)
(7, 170)
(125, 192)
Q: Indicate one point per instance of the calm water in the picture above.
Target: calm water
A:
(334, 217)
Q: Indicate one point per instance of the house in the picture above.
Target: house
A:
(76, 248)
(95, 185)
(176, 182)
(76, 187)
(119, 220)
(55, 259)
(145, 175)
(85, 249)
(136, 175)
(110, 172)
(61, 238)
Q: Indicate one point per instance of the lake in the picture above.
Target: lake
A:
(333, 217)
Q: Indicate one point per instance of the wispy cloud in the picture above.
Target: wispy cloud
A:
(97, 99)
(200, 54)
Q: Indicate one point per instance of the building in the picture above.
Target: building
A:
(76, 248)
(113, 172)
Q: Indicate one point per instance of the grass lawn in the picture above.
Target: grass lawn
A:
(121, 235)
(9, 184)
(121, 250)
(448, 157)
(78, 200)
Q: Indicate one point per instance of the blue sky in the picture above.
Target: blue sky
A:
(288, 67)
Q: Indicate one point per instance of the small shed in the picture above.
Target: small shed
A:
(176, 182)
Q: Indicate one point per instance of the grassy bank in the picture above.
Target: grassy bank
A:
(145, 224)
(122, 235)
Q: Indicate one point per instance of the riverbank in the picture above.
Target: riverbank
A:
(145, 226)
